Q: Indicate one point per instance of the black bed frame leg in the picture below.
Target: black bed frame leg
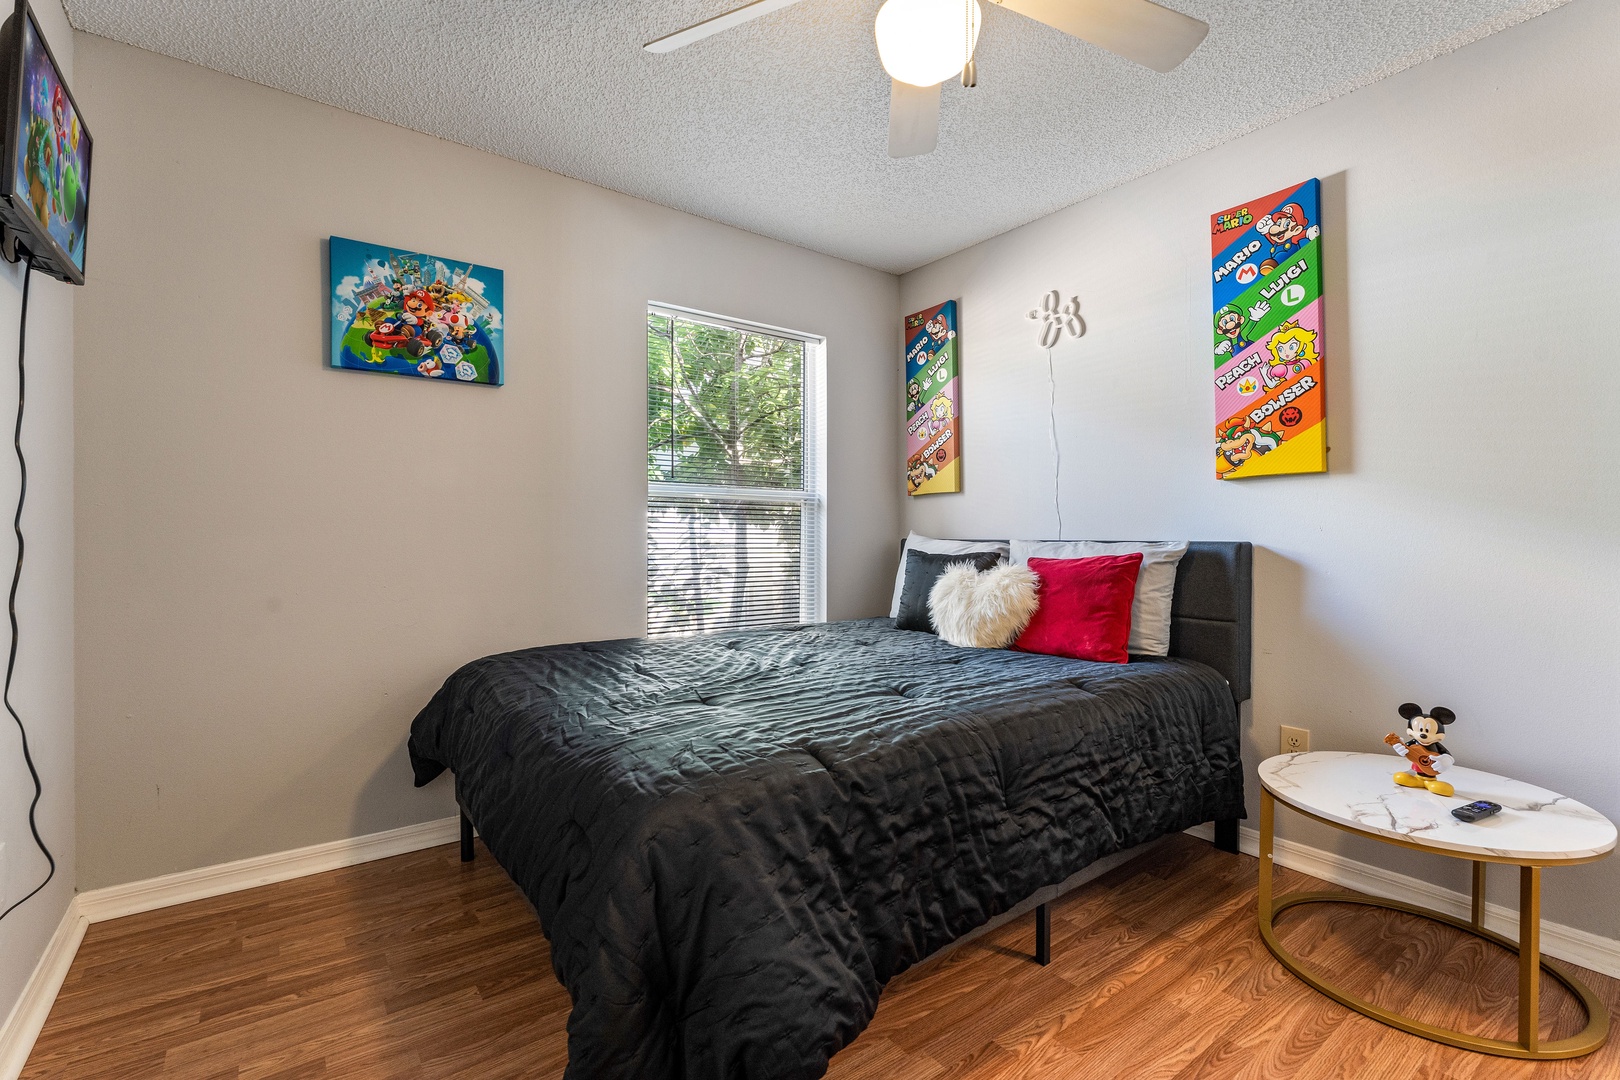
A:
(1043, 935)
(1226, 836)
(466, 838)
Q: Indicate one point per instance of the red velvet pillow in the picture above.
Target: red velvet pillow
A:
(1085, 607)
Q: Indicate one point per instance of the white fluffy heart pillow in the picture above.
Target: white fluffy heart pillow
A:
(983, 610)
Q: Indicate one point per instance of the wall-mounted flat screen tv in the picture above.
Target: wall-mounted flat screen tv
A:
(45, 177)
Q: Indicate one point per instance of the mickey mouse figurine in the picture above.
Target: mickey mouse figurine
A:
(1425, 751)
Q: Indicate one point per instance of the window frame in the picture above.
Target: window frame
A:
(811, 496)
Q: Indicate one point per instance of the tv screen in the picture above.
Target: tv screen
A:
(46, 183)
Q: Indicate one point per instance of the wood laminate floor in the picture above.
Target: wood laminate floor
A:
(421, 967)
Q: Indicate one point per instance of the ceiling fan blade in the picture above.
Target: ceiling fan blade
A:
(913, 119)
(709, 27)
(1138, 30)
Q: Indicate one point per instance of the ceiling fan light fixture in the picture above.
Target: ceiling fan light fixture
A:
(925, 42)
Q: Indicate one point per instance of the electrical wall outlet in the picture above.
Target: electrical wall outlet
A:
(1295, 740)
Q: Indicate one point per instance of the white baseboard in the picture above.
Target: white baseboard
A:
(1589, 950)
(116, 901)
(27, 1017)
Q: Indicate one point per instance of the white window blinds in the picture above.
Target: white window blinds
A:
(734, 507)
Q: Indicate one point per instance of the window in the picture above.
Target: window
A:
(734, 505)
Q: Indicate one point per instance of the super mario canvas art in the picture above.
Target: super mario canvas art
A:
(1270, 413)
(409, 313)
(933, 401)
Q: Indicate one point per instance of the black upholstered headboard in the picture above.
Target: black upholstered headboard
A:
(1211, 617)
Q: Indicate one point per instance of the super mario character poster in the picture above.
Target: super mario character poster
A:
(1270, 416)
(53, 169)
(933, 402)
(408, 313)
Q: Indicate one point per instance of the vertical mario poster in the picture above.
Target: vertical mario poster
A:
(1267, 341)
(933, 402)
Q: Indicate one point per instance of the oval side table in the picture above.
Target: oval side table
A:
(1536, 828)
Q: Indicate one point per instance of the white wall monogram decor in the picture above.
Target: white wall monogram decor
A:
(1058, 317)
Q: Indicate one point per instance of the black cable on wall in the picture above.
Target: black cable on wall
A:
(11, 602)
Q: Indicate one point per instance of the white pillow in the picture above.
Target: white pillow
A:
(1155, 582)
(983, 609)
(937, 547)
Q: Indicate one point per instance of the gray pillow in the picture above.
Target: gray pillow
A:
(916, 542)
(922, 570)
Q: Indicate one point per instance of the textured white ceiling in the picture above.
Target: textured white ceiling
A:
(780, 126)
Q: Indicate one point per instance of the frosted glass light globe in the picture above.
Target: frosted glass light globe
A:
(925, 42)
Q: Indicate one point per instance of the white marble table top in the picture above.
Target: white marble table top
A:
(1359, 790)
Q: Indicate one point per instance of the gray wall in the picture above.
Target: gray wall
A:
(1463, 550)
(43, 688)
(279, 563)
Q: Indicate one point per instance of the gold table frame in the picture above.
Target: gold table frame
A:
(1528, 947)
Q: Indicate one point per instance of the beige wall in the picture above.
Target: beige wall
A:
(1464, 548)
(280, 562)
(43, 688)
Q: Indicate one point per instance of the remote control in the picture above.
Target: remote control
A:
(1474, 811)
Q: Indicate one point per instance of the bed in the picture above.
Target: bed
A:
(734, 841)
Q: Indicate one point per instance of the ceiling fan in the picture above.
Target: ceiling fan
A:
(924, 42)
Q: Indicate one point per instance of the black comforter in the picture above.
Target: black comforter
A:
(734, 841)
